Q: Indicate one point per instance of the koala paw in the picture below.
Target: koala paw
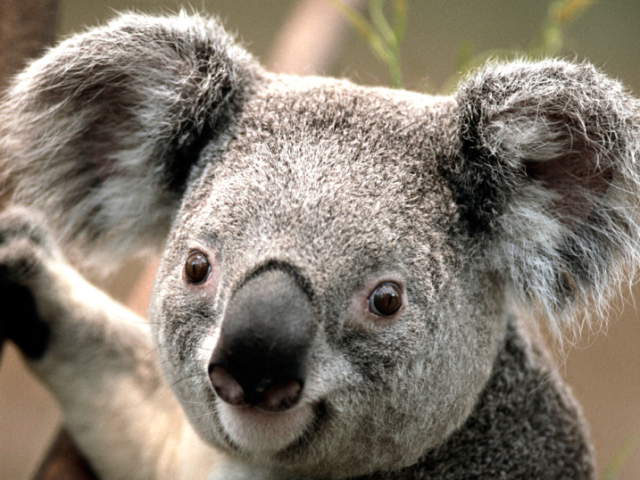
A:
(24, 248)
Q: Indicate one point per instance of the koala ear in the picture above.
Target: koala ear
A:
(103, 131)
(547, 181)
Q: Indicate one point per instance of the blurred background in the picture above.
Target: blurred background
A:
(603, 368)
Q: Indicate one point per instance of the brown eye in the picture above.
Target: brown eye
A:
(197, 267)
(386, 299)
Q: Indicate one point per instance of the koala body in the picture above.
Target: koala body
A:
(344, 268)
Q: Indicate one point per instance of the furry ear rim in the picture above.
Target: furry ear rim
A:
(103, 132)
(548, 184)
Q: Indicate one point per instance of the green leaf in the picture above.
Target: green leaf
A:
(364, 28)
(376, 12)
(400, 19)
(619, 459)
(383, 40)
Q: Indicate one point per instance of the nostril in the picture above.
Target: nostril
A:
(226, 386)
(272, 397)
(281, 396)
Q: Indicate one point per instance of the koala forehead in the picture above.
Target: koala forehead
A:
(324, 174)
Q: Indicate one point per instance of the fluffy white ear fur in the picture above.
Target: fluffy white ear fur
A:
(549, 158)
(102, 132)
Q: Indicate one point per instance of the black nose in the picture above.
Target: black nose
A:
(261, 355)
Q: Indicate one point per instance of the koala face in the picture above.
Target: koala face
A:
(338, 179)
(339, 263)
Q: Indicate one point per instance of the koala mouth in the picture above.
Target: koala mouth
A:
(258, 431)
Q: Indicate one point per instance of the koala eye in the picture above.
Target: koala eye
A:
(197, 267)
(386, 299)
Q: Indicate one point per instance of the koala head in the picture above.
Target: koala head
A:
(339, 262)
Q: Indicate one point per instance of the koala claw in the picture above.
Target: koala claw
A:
(24, 245)
(18, 222)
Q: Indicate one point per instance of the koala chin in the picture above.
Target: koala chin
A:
(347, 273)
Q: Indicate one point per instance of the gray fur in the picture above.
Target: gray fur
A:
(519, 191)
(163, 81)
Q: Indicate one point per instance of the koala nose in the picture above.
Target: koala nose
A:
(261, 355)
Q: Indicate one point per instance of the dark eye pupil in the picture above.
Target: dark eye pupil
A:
(386, 299)
(197, 267)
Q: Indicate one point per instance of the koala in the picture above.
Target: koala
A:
(348, 274)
